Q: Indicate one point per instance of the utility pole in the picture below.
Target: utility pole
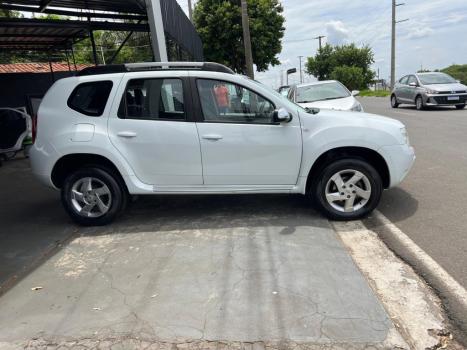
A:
(190, 11)
(247, 40)
(320, 37)
(393, 41)
(301, 73)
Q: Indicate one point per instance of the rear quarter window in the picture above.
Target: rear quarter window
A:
(90, 98)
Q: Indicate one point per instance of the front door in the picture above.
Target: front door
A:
(240, 143)
(153, 132)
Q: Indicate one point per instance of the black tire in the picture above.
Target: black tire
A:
(460, 106)
(318, 188)
(419, 103)
(119, 196)
(394, 103)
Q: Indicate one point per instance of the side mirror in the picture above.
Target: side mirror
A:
(412, 84)
(355, 92)
(282, 116)
(458, 81)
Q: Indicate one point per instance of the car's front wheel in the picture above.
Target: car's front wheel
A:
(394, 103)
(93, 196)
(347, 189)
(460, 106)
(419, 103)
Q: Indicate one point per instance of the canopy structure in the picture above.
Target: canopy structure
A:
(164, 19)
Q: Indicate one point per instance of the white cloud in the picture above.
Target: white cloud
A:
(455, 18)
(420, 32)
(338, 34)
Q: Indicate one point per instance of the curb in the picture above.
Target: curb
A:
(451, 293)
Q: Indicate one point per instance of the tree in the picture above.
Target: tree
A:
(330, 57)
(219, 24)
(352, 77)
(457, 71)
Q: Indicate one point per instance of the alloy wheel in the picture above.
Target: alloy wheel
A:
(90, 197)
(348, 191)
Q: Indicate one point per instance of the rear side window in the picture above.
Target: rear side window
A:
(90, 98)
(153, 99)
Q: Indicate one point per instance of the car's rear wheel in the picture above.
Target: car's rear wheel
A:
(394, 103)
(93, 196)
(419, 103)
(460, 106)
(347, 189)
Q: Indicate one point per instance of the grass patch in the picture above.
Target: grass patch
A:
(378, 93)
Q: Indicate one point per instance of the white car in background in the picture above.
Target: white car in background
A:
(328, 94)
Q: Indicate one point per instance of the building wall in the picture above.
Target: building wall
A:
(15, 87)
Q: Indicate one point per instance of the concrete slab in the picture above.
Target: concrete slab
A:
(239, 276)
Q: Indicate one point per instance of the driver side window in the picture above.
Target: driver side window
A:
(227, 102)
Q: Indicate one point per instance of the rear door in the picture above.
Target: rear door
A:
(153, 128)
(401, 89)
(240, 142)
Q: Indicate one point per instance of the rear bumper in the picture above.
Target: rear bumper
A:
(42, 160)
(400, 159)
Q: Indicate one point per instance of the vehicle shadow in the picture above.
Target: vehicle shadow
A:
(429, 108)
(34, 226)
(397, 205)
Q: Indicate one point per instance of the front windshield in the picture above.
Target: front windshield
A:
(436, 78)
(321, 92)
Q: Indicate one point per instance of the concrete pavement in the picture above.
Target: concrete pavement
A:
(239, 270)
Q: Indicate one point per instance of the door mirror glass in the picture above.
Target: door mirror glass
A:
(355, 92)
(282, 116)
(413, 84)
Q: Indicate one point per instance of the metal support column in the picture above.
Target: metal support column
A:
(93, 44)
(156, 26)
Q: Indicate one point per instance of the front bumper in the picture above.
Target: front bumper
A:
(445, 99)
(400, 159)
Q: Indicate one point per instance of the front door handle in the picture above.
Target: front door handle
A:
(127, 134)
(212, 137)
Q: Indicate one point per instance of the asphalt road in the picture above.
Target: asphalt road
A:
(430, 205)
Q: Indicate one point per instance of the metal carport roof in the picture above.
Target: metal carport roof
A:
(40, 34)
(115, 6)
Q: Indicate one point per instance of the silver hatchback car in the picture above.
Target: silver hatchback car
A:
(429, 89)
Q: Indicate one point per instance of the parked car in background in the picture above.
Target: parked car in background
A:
(429, 89)
(198, 128)
(328, 94)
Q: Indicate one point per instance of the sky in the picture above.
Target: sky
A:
(434, 37)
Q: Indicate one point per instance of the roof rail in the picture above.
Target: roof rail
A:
(155, 66)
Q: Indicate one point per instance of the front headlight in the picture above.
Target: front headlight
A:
(405, 136)
(357, 108)
(431, 92)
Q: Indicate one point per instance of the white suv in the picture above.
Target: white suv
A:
(197, 128)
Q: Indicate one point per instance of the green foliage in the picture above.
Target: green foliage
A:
(10, 14)
(352, 77)
(457, 71)
(343, 61)
(219, 24)
(137, 48)
(376, 93)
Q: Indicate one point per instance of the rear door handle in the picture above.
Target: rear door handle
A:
(212, 137)
(127, 134)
